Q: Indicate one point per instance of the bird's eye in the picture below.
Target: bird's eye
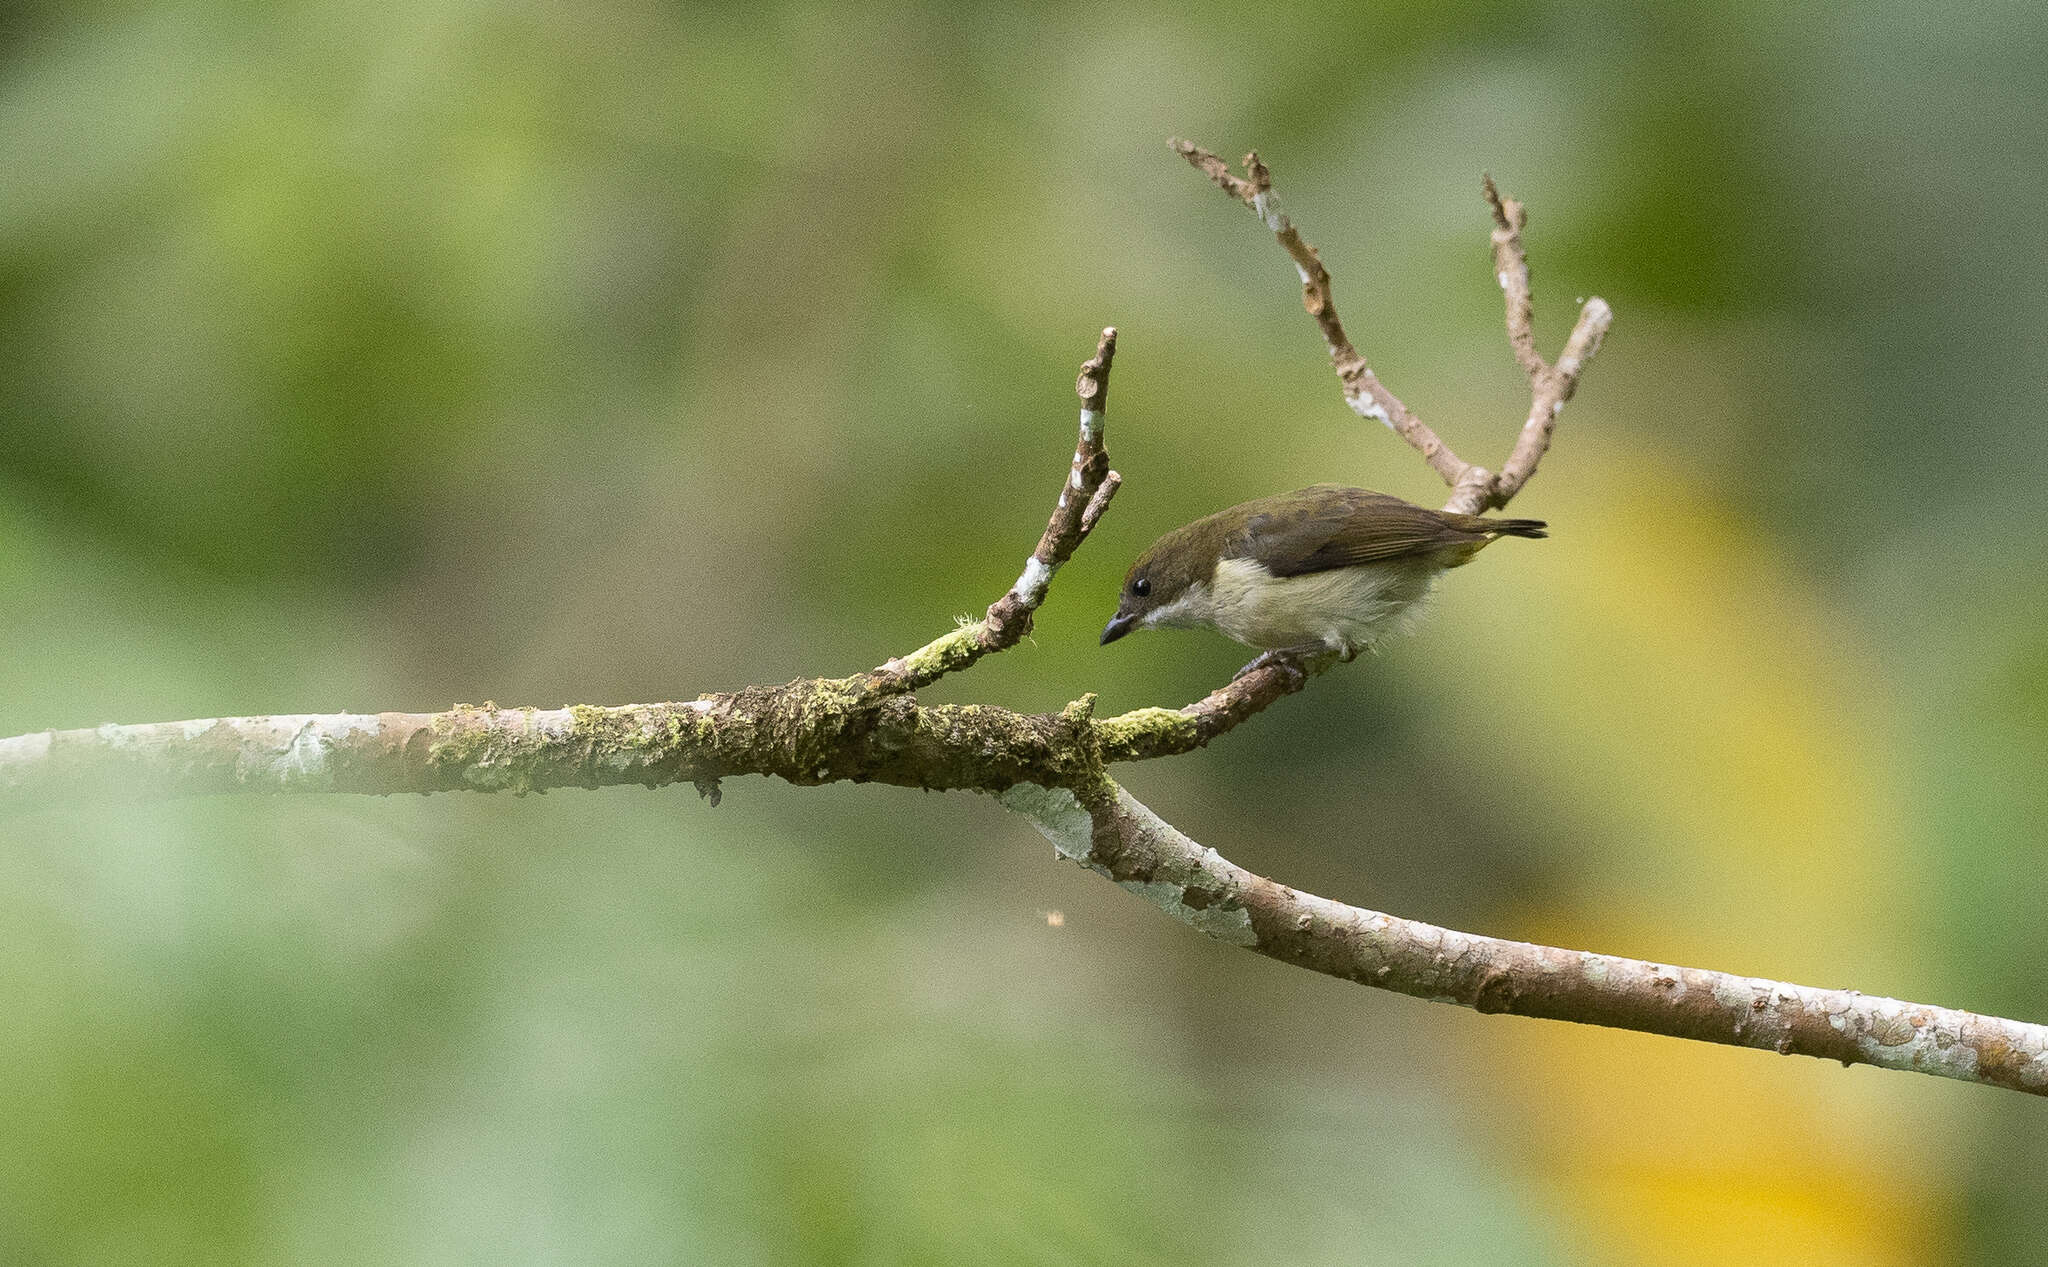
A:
(1141, 587)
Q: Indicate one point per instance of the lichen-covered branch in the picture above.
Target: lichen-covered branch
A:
(1118, 837)
(810, 731)
(1047, 767)
(806, 732)
(1167, 732)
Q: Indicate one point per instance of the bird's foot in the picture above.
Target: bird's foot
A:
(1264, 658)
(1289, 659)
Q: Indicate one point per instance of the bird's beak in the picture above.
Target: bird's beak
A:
(1118, 628)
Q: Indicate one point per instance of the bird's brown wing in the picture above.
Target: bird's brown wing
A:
(1329, 526)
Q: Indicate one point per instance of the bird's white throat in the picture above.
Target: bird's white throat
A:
(1195, 607)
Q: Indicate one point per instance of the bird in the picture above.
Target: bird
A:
(1321, 569)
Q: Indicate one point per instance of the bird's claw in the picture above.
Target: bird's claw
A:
(1286, 658)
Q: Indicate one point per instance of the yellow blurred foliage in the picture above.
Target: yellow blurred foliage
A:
(1670, 687)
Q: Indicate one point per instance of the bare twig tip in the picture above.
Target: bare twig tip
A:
(1256, 171)
(1507, 213)
(1093, 384)
(1216, 170)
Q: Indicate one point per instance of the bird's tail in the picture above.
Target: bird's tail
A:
(1494, 529)
(1484, 533)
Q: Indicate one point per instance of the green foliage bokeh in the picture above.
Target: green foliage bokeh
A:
(383, 356)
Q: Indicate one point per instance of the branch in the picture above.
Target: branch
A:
(1363, 391)
(1051, 767)
(806, 732)
(1550, 386)
(1083, 498)
(1474, 489)
(1146, 733)
(1120, 838)
(863, 728)
(1042, 765)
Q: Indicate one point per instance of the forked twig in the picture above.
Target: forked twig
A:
(1473, 488)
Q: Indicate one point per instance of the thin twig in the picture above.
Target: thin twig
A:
(1550, 386)
(1552, 389)
(1511, 268)
(1363, 391)
(1474, 489)
(1075, 514)
(1084, 496)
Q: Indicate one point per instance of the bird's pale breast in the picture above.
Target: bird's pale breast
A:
(1348, 609)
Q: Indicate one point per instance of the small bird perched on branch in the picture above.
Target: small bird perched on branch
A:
(1326, 568)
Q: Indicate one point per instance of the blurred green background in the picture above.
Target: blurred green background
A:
(383, 356)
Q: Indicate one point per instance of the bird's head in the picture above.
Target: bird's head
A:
(1169, 584)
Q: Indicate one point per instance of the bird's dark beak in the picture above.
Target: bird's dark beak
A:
(1117, 628)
